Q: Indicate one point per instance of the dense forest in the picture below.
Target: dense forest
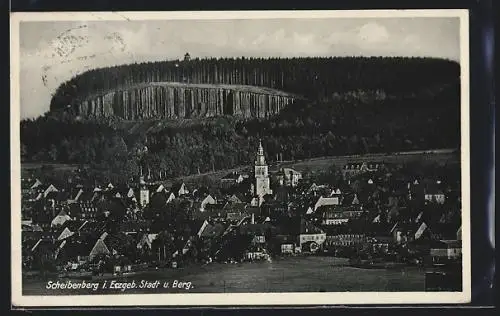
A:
(314, 78)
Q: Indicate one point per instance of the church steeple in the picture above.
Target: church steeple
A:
(143, 191)
(261, 174)
(142, 183)
(260, 159)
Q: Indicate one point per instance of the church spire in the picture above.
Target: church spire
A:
(261, 149)
(261, 184)
(141, 177)
(260, 160)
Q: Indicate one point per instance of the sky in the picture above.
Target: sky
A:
(52, 52)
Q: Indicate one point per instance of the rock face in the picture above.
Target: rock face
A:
(178, 100)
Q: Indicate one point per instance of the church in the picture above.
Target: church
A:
(261, 184)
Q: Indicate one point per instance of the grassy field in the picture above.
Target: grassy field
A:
(423, 157)
(322, 163)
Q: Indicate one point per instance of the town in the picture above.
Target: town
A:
(379, 215)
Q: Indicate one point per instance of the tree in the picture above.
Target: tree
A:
(53, 152)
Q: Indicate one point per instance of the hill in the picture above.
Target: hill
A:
(337, 106)
(312, 78)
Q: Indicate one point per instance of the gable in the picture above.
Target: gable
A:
(60, 220)
(99, 248)
(208, 200)
(50, 188)
(65, 234)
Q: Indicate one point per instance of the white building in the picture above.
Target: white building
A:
(289, 177)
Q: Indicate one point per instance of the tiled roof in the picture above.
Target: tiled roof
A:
(213, 230)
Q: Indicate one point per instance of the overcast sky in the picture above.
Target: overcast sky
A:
(53, 52)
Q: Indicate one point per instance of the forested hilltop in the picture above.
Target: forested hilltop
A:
(314, 78)
(351, 106)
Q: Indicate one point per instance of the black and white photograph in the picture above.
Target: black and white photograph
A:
(240, 158)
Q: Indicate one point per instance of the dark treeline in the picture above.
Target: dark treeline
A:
(314, 78)
(350, 123)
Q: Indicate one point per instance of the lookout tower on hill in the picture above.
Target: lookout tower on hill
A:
(187, 57)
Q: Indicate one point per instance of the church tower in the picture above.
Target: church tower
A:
(262, 184)
(143, 192)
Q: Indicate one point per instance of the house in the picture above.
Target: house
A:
(110, 244)
(354, 168)
(75, 248)
(159, 188)
(31, 196)
(289, 177)
(146, 241)
(66, 233)
(310, 237)
(37, 183)
(336, 193)
(443, 251)
(309, 210)
(257, 200)
(201, 205)
(381, 244)
(407, 232)
(230, 180)
(344, 240)
(315, 189)
(75, 195)
(29, 186)
(131, 194)
(50, 188)
(235, 198)
(85, 209)
(198, 226)
(284, 244)
(60, 219)
(57, 197)
(161, 199)
(326, 201)
(31, 227)
(355, 200)
(212, 230)
(179, 189)
(434, 194)
(332, 215)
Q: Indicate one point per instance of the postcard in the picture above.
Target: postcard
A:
(243, 158)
